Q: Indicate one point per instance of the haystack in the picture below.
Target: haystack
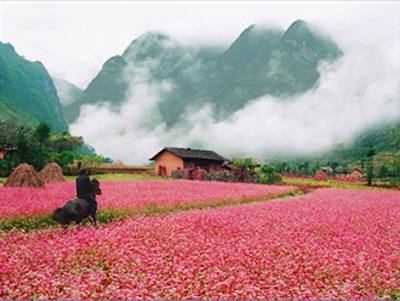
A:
(320, 176)
(118, 163)
(24, 175)
(52, 172)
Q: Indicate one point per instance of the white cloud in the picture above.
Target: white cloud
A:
(360, 90)
(74, 38)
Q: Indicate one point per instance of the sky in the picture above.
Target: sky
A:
(73, 39)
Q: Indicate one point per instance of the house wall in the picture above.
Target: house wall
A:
(214, 168)
(208, 165)
(169, 161)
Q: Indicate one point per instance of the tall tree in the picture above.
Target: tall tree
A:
(8, 132)
(394, 140)
(370, 166)
(64, 141)
(27, 149)
(43, 132)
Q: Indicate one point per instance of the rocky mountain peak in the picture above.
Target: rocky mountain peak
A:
(263, 60)
(253, 45)
(149, 45)
(301, 36)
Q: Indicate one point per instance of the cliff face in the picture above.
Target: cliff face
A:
(261, 61)
(27, 91)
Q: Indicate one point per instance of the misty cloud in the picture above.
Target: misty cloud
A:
(360, 90)
(67, 92)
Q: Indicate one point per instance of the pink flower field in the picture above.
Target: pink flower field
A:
(329, 244)
(17, 202)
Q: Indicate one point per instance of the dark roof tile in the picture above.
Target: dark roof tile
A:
(188, 153)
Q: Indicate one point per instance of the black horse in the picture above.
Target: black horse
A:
(74, 210)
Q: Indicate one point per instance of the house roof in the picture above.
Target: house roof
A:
(188, 153)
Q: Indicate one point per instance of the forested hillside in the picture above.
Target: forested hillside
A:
(157, 83)
(27, 91)
(378, 149)
(261, 61)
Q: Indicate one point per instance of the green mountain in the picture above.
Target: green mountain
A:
(265, 61)
(67, 93)
(383, 140)
(151, 59)
(261, 61)
(106, 86)
(27, 91)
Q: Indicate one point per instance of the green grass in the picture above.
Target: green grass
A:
(312, 184)
(329, 183)
(305, 185)
(110, 176)
(119, 176)
(107, 215)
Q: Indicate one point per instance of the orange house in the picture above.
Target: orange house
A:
(174, 158)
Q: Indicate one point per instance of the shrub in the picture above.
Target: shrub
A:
(269, 175)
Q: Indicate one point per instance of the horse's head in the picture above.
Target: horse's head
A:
(60, 216)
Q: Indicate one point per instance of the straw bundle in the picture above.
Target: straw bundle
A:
(320, 176)
(24, 175)
(52, 172)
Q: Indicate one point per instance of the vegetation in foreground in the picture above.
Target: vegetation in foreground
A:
(31, 208)
(31, 221)
(331, 244)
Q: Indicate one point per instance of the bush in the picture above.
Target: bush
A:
(269, 175)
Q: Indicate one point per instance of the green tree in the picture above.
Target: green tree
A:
(242, 167)
(383, 171)
(304, 168)
(8, 132)
(334, 165)
(92, 161)
(394, 140)
(35, 146)
(27, 149)
(64, 159)
(43, 133)
(369, 165)
(64, 141)
(269, 175)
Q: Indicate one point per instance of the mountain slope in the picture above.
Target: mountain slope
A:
(276, 63)
(107, 86)
(154, 60)
(67, 93)
(261, 61)
(27, 91)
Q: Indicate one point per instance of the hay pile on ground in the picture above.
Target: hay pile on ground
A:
(118, 163)
(24, 175)
(52, 172)
(320, 176)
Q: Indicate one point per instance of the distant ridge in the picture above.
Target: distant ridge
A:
(261, 61)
